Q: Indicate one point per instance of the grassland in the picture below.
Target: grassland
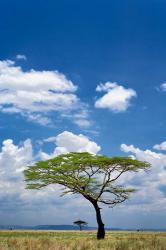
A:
(75, 240)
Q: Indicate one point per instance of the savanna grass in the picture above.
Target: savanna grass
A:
(74, 240)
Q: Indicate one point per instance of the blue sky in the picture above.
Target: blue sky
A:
(95, 68)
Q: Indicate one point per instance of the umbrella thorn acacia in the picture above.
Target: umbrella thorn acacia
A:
(80, 223)
(93, 176)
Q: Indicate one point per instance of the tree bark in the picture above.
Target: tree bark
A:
(101, 229)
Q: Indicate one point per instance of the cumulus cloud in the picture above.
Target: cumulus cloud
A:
(14, 157)
(13, 160)
(35, 94)
(19, 205)
(147, 155)
(117, 97)
(161, 146)
(34, 90)
(69, 142)
(150, 196)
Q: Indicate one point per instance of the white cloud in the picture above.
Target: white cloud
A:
(163, 86)
(81, 117)
(12, 77)
(15, 200)
(38, 118)
(50, 139)
(150, 196)
(69, 142)
(147, 155)
(106, 86)
(117, 98)
(21, 57)
(82, 123)
(161, 146)
(13, 160)
(36, 93)
(34, 90)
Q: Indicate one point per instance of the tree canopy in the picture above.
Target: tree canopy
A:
(93, 176)
(80, 223)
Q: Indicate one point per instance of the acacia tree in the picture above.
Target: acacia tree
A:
(95, 177)
(80, 223)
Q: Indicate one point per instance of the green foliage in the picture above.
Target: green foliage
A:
(93, 176)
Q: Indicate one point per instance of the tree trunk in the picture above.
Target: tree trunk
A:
(101, 229)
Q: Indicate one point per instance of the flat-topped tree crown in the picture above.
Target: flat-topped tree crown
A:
(80, 223)
(93, 176)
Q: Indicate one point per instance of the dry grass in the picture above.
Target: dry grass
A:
(70, 240)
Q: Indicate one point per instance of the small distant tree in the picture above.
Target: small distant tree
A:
(80, 223)
(93, 176)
